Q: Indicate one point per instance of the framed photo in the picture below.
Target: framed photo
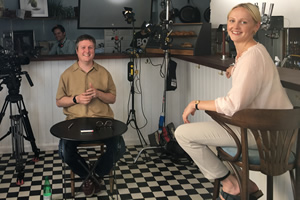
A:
(23, 41)
(38, 8)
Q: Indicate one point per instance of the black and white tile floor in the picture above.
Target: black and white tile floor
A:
(157, 179)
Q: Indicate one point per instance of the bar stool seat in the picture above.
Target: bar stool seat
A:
(275, 133)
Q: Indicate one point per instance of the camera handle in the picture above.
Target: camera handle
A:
(27, 77)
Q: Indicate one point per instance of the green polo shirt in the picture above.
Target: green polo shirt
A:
(75, 81)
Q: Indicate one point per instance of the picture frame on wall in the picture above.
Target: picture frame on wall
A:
(23, 41)
(38, 8)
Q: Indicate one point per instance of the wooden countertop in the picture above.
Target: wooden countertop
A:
(289, 78)
(212, 61)
(97, 56)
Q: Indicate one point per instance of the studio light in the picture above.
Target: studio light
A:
(129, 15)
(148, 27)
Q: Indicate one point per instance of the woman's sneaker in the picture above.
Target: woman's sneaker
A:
(88, 188)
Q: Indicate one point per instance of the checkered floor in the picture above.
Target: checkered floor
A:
(154, 179)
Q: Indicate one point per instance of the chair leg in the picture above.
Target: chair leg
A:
(240, 177)
(111, 181)
(293, 183)
(269, 188)
(297, 183)
(216, 189)
(72, 175)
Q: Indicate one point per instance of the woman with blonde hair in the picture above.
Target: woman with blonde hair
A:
(255, 84)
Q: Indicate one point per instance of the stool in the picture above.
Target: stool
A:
(91, 145)
(275, 132)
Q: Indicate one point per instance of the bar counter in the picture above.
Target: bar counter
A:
(289, 78)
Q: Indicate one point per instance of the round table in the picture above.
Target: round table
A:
(88, 129)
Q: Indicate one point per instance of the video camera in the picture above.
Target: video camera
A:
(10, 62)
(11, 71)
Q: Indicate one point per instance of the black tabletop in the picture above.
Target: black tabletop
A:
(88, 129)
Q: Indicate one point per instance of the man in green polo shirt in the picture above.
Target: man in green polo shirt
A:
(85, 90)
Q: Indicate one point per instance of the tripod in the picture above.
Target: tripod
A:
(132, 116)
(16, 122)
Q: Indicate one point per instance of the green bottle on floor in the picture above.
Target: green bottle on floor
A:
(47, 190)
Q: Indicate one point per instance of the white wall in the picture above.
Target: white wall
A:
(193, 83)
(43, 112)
(288, 8)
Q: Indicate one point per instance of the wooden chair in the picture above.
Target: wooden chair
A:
(275, 132)
(89, 159)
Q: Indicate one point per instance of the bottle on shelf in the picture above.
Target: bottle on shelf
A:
(47, 190)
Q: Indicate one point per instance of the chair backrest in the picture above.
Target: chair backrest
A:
(275, 132)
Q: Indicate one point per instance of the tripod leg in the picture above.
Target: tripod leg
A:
(133, 119)
(28, 130)
(20, 175)
(3, 109)
(30, 136)
(139, 133)
(18, 147)
(7, 134)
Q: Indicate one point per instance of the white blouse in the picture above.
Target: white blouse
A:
(255, 84)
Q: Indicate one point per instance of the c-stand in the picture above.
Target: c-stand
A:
(13, 82)
(165, 41)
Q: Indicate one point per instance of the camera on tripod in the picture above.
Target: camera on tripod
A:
(11, 71)
(10, 62)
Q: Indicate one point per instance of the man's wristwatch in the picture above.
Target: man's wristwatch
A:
(196, 104)
(74, 99)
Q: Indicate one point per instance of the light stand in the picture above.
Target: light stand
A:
(131, 114)
(129, 17)
(167, 58)
(165, 40)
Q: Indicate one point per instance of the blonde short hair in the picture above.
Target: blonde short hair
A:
(253, 11)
